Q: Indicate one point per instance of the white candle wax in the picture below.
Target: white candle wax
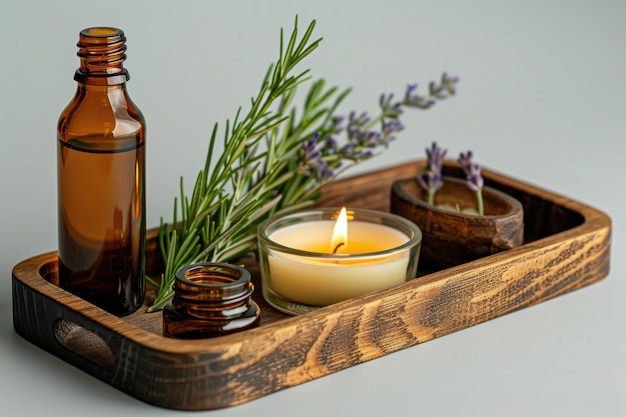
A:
(322, 281)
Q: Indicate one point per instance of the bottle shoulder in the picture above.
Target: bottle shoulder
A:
(100, 110)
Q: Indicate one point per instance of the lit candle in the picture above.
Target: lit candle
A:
(317, 258)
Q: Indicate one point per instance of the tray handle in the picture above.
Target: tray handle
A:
(71, 328)
(41, 315)
(84, 343)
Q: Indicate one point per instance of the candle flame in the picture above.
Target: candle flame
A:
(339, 241)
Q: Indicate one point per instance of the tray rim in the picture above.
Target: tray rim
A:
(594, 221)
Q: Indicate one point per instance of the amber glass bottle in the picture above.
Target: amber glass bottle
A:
(210, 299)
(101, 186)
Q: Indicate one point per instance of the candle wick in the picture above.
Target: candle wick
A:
(337, 247)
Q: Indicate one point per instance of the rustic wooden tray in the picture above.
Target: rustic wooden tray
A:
(566, 247)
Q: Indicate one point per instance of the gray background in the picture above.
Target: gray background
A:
(541, 99)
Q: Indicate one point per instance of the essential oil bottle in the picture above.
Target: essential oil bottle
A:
(101, 180)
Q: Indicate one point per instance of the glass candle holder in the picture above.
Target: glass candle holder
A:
(210, 299)
(300, 273)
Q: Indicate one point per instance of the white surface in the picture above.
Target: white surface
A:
(541, 98)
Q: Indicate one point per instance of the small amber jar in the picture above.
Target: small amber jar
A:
(210, 299)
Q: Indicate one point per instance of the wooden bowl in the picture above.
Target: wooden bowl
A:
(450, 237)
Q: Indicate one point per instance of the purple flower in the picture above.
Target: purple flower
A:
(312, 160)
(449, 83)
(474, 178)
(361, 140)
(435, 157)
(432, 179)
(388, 108)
(431, 182)
(330, 146)
(443, 90)
(336, 124)
(357, 122)
(412, 99)
(353, 151)
(473, 175)
(391, 127)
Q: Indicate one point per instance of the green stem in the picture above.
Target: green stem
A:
(479, 202)
(431, 197)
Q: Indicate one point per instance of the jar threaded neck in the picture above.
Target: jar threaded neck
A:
(212, 288)
(210, 299)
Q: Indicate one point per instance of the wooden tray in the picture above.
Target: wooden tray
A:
(566, 247)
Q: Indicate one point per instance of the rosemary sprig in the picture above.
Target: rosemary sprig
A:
(275, 160)
(229, 199)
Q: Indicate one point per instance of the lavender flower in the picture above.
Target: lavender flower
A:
(432, 179)
(312, 160)
(412, 99)
(449, 83)
(388, 108)
(435, 157)
(390, 127)
(475, 180)
(443, 90)
(362, 140)
(473, 176)
(329, 146)
(336, 124)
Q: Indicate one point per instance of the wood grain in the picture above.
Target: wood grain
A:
(567, 247)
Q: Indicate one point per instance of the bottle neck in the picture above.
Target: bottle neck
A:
(102, 51)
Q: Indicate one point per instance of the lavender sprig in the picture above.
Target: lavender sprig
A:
(365, 135)
(313, 162)
(474, 178)
(432, 179)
